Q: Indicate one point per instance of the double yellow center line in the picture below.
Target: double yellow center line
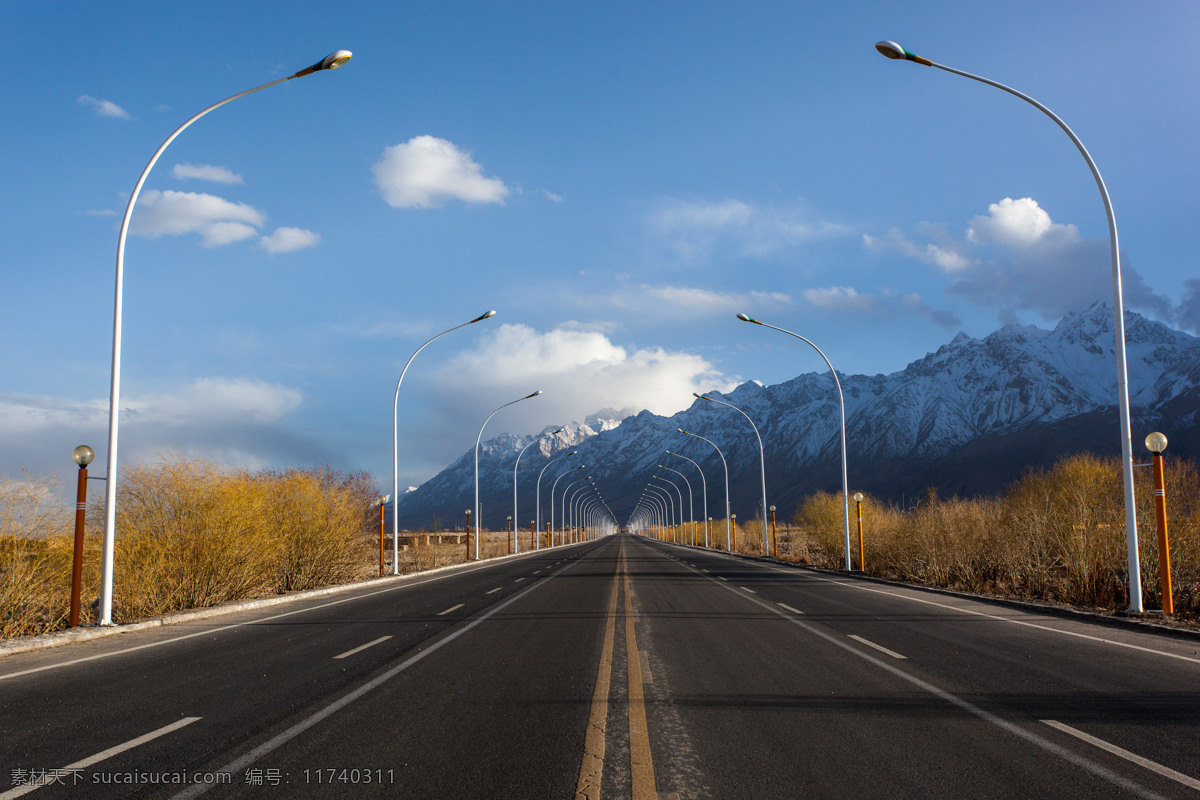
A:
(641, 763)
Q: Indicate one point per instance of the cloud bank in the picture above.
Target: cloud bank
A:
(1016, 258)
(217, 221)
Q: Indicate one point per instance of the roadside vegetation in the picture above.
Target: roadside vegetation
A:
(1055, 535)
(188, 536)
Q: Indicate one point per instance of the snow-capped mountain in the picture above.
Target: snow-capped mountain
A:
(968, 419)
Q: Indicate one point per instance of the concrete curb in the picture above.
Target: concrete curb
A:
(25, 644)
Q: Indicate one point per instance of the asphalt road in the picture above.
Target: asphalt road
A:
(622, 668)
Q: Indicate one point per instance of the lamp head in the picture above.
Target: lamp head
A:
(535, 394)
(772, 509)
(335, 59)
(383, 499)
(83, 455)
(858, 497)
(482, 317)
(1156, 443)
(680, 430)
(745, 318)
(896, 52)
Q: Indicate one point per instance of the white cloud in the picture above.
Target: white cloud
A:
(427, 171)
(579, 371)
(698, 231)
(206, 172)
(556, 198)
(1017, 258)
(289, 240)
(217, 220)
(100, 212)
(104, 108)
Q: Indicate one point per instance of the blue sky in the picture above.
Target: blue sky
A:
(617, 180)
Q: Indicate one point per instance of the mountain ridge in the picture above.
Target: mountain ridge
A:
(969, 417)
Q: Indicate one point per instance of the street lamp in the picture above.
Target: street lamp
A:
(674, 486)
(82, 455)
(1156, 443)
(535, 440)
(691, 505)
(842, 407)
(382, 501)
(331, 61)
(895, 51)
(762, 460)
(477, 438)
(396, 440)
(553, 486)
(862, 561)
(728, 546)
(703, 493)
(538, 499)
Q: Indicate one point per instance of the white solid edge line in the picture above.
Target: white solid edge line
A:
(404, 584)
(451, 608)
(1011, 727)
(995, 617)
(362, 647)
(26, 788)
(1153, 766)
(878, 647)
(238, 764)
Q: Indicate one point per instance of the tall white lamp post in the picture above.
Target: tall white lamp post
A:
(842, 407)
(895, 51)
(477, 438)
(762, 460)
(703, 493)
(331, 61)
(536, 439)
(728, 547)
(538, 497)
(396, 439)
(691, 503)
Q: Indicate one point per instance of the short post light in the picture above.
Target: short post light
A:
(532, 534)
(1156, 443)
(774, 539)
(468, 534)
(509, 534)
(858, 498)
(83, 456)
(382, 500)
(734, 518)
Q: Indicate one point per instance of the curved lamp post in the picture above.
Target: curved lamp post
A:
(538, 515)
(536, 439)
(728, 547)
(477, 438)
(331, 61)
(691, 503)
(396, 438)
(842, 408)
(553, 486)
(762, 460)
(562, 517)
(663, 496)
(703, 492)
(679, 493)
(895, 51)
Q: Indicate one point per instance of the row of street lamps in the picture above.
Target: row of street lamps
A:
(887, 48)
